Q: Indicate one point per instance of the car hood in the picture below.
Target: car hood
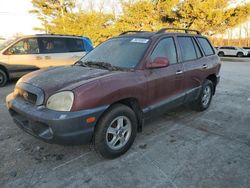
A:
(63, 78)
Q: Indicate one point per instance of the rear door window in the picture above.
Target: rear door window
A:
(165, 48)
(75, 45)
(187, 48)
(53, 45)
(206, 46)
(197, 49)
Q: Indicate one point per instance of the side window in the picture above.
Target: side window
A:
(206, 46)
(75, 45)
(165, 48)
(197, 49)
(187, 48)
(25, 46)
(53, 45)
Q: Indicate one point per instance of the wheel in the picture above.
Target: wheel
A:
(221, 54)
(3, 78)
(205, 97)
(240, 54)
(116, 131)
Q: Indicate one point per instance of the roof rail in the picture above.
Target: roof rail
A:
(180, 29)
(125, 32)
(57, 34)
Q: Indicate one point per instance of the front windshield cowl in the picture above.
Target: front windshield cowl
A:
(122, 53)
(102, 65)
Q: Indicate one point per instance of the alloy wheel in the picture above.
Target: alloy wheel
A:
(118, 132)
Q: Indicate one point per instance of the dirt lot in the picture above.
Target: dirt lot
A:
(182, 148)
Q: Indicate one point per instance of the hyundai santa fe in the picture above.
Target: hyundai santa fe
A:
(107, 95)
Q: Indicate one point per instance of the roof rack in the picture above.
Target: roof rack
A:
(123, 33)
(180, 29)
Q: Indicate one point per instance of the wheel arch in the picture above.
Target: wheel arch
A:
(213, 79)
(3, 68)
(132, 103)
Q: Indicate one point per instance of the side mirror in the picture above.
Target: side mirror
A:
(159, 62)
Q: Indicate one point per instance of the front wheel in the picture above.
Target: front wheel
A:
(221, 54)
(116, 131)
(205, 97)
(240, 54)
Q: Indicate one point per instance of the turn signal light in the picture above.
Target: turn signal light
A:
(91, 120)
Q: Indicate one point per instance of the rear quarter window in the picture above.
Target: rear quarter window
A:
(206, 46)
(75, 45)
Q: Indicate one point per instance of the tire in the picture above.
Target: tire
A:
(221, 54)
(3, 78)
(203, 102)
(240, 54)
(110, 139)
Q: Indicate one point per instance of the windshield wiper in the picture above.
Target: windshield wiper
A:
(100, 64)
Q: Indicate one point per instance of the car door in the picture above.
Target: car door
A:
(76, 48)
(232, 51)
(23, 56)
(55, 52)
(193, 64)
(165, 85)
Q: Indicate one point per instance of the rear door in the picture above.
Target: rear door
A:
(23, 56)
(193, 64)
(76, 48)
(58, 51)
(165, 85)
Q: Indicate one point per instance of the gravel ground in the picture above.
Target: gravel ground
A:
(181, 148)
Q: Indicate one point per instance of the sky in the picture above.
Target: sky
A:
(15, 16)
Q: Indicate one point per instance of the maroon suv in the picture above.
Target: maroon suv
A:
(106, 96)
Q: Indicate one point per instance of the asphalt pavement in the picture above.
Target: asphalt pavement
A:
(181, 148)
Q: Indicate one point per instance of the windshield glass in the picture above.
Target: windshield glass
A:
(119, 52)
(6, 43)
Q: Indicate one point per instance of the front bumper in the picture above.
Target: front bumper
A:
(52, 126)
(218, 79)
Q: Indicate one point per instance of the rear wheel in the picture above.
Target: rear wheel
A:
(221, 54)
(240, 54)
(116, 131)
(3, 78)
(205, 97)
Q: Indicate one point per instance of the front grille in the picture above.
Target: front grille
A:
(27, 96)
(30, 93)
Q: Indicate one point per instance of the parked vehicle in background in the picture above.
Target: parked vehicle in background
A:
(232, 51)
(29, 53)
(248, 50)
(107, 95)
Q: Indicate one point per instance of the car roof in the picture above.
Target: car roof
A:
(54, 35)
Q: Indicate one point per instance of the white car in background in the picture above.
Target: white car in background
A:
(248, 50)
(232, 51)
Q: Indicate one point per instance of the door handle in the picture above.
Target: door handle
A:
(76, 57)
(38, 57)
(179, 72)
(204, 66)
(47, 57)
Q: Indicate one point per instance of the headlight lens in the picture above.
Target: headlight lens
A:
(62, 101)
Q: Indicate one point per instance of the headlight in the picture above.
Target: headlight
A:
(62, 101)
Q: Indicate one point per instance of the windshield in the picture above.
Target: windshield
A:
(6, 43)
(119, 52)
